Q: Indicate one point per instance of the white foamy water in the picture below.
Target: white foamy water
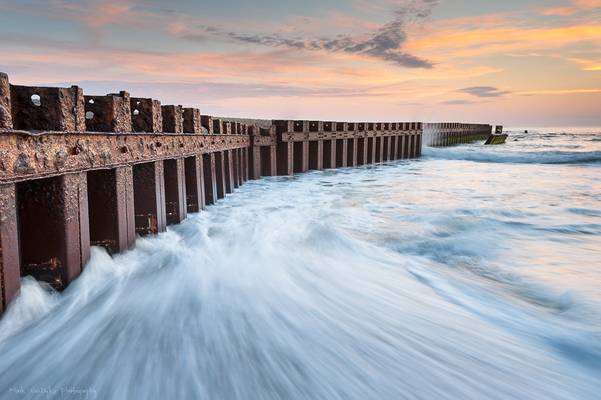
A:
(472, 273)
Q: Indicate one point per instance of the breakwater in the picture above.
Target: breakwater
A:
(78, 171)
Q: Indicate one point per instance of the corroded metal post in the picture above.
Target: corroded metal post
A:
(381, 140)
(191, 123)
(363, 143)
(6, 120)
(319, 148)
(236, 167)
(341, 146)
(173, 119)
(352, 146)
(373, 145)
(246, 161)
(149, 198)
(54, 230)
(10, 264)
(413, 140)
(300, 148)
(210, 178)
(195, 187)
(241, 179)
(329, 147)
(404, 142)
(239, 166)
(389, 147)
(207, 123)
(256, 161)
(361, 150)
(420, 135)
(228, 162)
(175, 190)
(110, 113)
(395, 141)
(111, 208)
(48, 108)
(316, 147)
(146, 115)
(221, 174)
(285, 150)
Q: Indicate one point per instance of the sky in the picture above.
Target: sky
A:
(517, 63)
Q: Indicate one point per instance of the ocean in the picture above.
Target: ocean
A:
(471, 273)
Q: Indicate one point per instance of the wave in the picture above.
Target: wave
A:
(291, 289)
(482, 154)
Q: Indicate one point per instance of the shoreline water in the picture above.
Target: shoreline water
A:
(469, 273)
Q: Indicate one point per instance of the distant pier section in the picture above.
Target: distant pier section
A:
(79, 171)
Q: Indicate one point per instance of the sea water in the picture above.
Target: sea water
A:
(471, 273)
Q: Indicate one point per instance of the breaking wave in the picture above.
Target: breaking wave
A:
(531, 148)
(478, 154)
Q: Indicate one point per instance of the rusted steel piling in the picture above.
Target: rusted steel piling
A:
(449, 134)
(79, 171)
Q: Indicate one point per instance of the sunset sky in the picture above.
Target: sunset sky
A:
(513, 62)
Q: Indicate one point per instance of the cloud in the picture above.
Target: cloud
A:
(458, 102)
(575, 7)
(93, 16)
(484, 91)
(385, 43)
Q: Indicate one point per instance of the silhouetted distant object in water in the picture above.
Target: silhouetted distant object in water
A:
(526, 131)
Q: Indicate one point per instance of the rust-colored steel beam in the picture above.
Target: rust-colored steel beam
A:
(173, 119)
(6, 119)
(256, 161)
(228, 164)
(238, 178)
(381, 148)
(10, 263)
(235, 166)
(221, 174)
(24, 155)
(175, 190)
(210, 178)
(285, 150)
(125, 206)
(192, 122)
(195, 186)
(47, 108)
(54, 230)
(111, 208)
(110, 113)
(146, 115)
(374, 150)
(245, 163)
(361, 151)
(207, 123)
(149, 198)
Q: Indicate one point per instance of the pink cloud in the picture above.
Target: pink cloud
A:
(575, 7)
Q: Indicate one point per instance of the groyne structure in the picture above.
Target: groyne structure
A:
(451, 133)
(79, 171)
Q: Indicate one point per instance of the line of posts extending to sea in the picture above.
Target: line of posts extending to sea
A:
(78, 171)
